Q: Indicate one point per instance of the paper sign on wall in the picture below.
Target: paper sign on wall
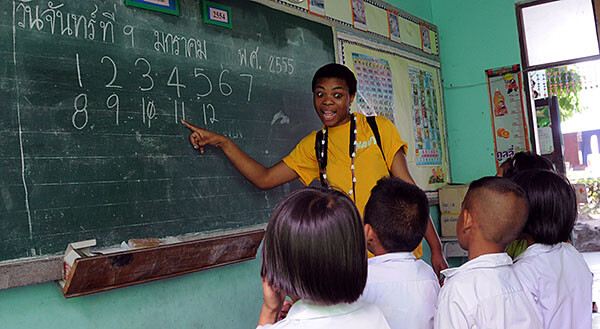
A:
(508, 114)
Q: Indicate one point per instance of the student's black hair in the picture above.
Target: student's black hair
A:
(314, 247)
(334, 70)
(398, 212)
(525, 161)
(552, 206)
(501, 218)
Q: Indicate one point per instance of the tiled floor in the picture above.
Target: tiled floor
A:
(593, 261)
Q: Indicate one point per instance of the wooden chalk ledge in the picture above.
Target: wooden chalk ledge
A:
(104, 272)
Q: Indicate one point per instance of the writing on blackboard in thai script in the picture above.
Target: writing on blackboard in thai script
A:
(52, 18)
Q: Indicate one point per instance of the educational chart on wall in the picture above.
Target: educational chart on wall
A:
(428, 142)
(508, 114)
(352, 52)
(93, 94)
(375, 94)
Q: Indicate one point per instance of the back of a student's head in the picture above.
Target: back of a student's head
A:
(499, 206)
(523, 161)
(339, 71)
(552, 206)
(398, 212)
(314, 247)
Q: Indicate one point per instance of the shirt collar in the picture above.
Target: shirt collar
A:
(537, 249)
(304, 310)
(483, 261)
(392, 257)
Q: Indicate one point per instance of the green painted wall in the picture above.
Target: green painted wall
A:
(228, 297)
(474, 35)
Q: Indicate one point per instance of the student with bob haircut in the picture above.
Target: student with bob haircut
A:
(403, 287)
(520, 162)
(485, 291)
(350, 152)
(314, 251)
(551, 268)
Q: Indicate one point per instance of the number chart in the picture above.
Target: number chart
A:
(93, 95)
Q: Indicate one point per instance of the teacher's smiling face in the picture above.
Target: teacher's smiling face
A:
(332, 101)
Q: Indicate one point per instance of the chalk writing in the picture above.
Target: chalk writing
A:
(281, 65)
(112, 102)
(253, 63)
(176, 84)
(51, 18)
(80, 105)
(171, 44)
(114, 78)
(147, 74)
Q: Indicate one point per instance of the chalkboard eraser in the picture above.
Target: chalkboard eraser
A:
(144, 243)
(76, 250)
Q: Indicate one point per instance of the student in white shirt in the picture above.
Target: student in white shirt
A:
(314, 251)
(485, 292)
(550, 268)
(404, 288)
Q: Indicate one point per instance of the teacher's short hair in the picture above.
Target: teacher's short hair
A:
(314, 247)
(334, 70)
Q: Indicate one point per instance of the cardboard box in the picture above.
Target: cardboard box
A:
(76, 250)
(449, 224)
(451, 198)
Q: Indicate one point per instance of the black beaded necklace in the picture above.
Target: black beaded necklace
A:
(321, 151)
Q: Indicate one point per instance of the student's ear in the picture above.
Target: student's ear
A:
(369, 232)
(468, 220)
(352, 98)
(370, 236)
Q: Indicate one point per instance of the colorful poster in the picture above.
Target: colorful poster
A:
(317, 7)
(375, 94)
(508, 114)
(538, 88)
(428, 137)
(394, 25)
(359, 16)
(425, 39)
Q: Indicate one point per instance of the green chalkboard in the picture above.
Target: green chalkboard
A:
(91, 96)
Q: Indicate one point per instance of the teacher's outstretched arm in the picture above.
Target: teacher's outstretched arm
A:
(262, 177)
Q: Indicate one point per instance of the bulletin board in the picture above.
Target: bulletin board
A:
(417, 102)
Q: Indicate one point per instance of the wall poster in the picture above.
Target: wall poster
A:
(375, 94)
(428, 146)
(508, 113)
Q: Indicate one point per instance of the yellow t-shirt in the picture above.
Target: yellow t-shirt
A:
(369, 163)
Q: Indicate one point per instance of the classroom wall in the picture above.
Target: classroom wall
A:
(227, 297)
(474, 35)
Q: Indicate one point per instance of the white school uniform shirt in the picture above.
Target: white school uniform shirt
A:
(404, 288)
(561, 284)
(485, 293)
(358, 315)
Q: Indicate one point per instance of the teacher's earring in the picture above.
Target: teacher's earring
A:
(465, 229)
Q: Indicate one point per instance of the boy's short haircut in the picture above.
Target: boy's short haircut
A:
(552, 206)
(525, 161)
(334, 70)
(500, 207)
(314, 247)
(398, 212)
